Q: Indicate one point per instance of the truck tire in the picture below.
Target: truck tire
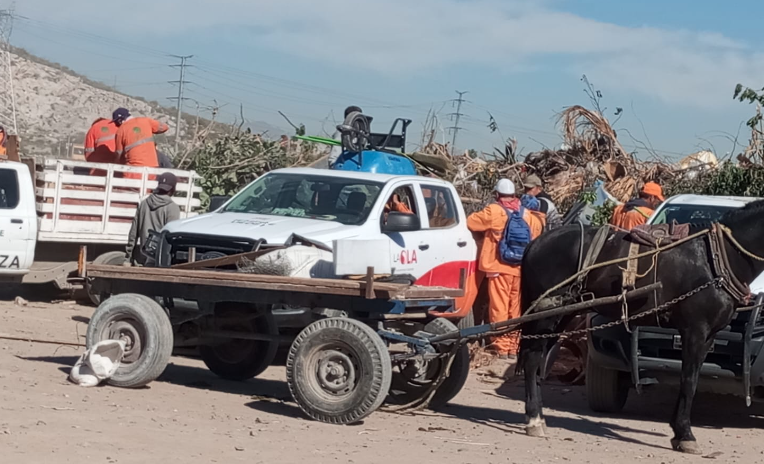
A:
(467, 321)
(407, 388)
(241, 359)
(113, 258)
(143, 324)
(338, 370)
(606, 389)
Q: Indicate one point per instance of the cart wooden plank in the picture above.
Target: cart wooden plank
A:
(275, 283)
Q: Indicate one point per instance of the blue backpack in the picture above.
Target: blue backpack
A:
(517, 236)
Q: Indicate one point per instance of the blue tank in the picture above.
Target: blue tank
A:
(377, 162)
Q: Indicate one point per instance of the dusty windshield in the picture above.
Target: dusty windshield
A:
(347, 201)
(690, 214)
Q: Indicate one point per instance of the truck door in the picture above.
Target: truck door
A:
(413, 252)
(453, 246)
(18, 222)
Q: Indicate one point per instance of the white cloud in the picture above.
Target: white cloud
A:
(415, 37)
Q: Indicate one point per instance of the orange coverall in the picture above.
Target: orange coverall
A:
(628, 220)
(100, 144)
(2, 145)
(135, 142)
(503, 279)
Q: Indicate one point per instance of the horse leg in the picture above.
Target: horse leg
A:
(531, 359)
(695, 346)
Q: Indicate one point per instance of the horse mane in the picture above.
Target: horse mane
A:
(744, 214)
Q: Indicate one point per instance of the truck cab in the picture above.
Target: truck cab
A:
(18, 220)
(427, 236)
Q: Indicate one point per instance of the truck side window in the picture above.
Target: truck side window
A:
(9, 189)
(441, 209)
(401, 201)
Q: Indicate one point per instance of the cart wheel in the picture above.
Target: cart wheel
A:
(146, 330)
(239, 359)
(412, 381)
(113, 258)
(338, 370)
(606, 389)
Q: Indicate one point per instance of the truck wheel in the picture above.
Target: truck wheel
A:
(467, 321)
(144, 326)
(412, 381)
(112, 258)
(239, 359)
(338, 370)
(606, 389)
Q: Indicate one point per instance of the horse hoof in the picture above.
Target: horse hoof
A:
(535, 431)
(686, 446)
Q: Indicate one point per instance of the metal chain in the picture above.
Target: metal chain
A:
(657, 309)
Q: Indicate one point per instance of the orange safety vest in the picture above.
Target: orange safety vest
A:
(100, 144)
(492, 221)
(628, 220)
(2, 143)
(135, 141)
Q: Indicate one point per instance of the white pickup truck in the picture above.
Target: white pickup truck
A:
(48, 210)
(429, 242)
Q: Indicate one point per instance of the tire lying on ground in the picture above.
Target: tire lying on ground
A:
(338, 370)
(144, 326)
(240, 359)
(413, 384)
(113, 258)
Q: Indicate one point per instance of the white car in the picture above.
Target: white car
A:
(431, 244)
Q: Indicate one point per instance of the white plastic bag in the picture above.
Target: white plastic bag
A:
(98, 363)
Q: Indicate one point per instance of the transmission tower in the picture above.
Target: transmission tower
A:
(181, 83)
(7, 95)
(456, 116)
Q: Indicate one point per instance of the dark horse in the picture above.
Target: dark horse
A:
(554, 257)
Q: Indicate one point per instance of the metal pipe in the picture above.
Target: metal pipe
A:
(549, 313)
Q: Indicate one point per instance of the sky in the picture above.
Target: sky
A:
(671, 66)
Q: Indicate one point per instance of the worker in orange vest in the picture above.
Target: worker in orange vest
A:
(135, 140)
(503, 278)
(100, 144)
(637, 211)
(3, 141)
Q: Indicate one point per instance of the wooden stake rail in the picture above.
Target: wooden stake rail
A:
(274, 283)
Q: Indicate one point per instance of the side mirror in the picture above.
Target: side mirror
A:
(401, 222)
(217, 201)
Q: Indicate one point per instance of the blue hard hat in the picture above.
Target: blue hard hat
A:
(120, 114)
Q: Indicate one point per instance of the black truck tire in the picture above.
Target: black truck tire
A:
(114, 258)
(242, 359)
(338, 370)
(145, 327)
(460, 367)
(606, 389)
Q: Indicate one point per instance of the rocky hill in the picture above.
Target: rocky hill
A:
(55, 106)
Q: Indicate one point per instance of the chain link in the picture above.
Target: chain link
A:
(656, 310)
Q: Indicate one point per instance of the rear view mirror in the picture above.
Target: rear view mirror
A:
(401, 222)
(217, 201)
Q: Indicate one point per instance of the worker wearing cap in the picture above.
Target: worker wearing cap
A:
(152, 214)
(100, 144)
(503, 279)
(3, 141)
(637, 211)
(535, 187)
(135, 140)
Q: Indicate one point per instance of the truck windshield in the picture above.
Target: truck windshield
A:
(692, 214)
(347, 201)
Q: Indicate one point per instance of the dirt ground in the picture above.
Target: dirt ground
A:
(190, 416)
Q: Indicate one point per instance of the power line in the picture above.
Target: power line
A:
(6, 68)
(180, 98)
(455, 128)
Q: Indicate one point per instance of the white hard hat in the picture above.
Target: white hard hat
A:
(505, 187)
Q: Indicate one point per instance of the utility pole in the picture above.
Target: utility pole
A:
(7, 94)
(180, 98)
(455, 128)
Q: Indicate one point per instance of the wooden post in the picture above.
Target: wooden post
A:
(370, 282)
(13, 148)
